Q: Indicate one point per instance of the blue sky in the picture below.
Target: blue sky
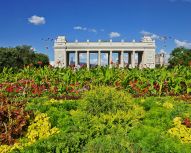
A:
(30, 21)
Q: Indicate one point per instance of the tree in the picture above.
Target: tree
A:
(25, 54)
(180, 56)
(20, 56)
(41, 60)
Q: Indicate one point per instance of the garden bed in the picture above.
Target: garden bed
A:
(59, 110)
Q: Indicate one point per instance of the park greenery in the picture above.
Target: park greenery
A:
(20, 56)
(103, 109)
(180, 56)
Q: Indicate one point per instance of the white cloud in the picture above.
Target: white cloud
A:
(33, 49)
(182, 43)
(163, 51)
(104, 59)
(80, 28)
(153, 36)
(85, 29)
(36, 20)
(146, 33)
(83, 56)
(114, 34)
(93, 30)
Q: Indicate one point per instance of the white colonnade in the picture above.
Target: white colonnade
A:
(140, 54)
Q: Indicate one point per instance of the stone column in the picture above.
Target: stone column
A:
(122, 59)
(76, 58)
(133, 59)
(161, 59)
(99, 58)
(64, 62)
(88, 59)
(143, 58)
(110, 59)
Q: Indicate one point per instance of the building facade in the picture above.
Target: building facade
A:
(160, 59)
(140, 54)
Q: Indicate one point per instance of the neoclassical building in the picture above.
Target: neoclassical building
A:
(138, 54)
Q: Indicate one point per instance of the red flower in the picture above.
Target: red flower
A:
(72, 90)
(39, 62)
(187, 122)
(10, 89)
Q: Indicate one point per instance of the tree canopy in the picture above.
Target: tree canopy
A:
(20, 56)
(180, 56)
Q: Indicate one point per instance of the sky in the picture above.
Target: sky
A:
(38, 22)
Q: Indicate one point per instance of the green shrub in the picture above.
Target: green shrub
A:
(107, 144)
(106, 100)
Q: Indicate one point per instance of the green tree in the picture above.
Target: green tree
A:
(41, 60)
(20, 56)
(180, 56)
(25, 54)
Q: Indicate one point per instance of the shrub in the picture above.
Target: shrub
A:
(106, 100)
(14, 120)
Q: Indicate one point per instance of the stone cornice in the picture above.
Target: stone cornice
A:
(104, 48)
(105, 45)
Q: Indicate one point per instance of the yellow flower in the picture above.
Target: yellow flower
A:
(168, 105)
(180, 131)
(39, 129)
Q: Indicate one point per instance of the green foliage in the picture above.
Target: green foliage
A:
(180, 56)
(39, 57)
(104, 117)
(107, 144)
(39, 129)
(105, 100)
(82, 129)
(118, 124)
(61, 82)
(21, 56)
